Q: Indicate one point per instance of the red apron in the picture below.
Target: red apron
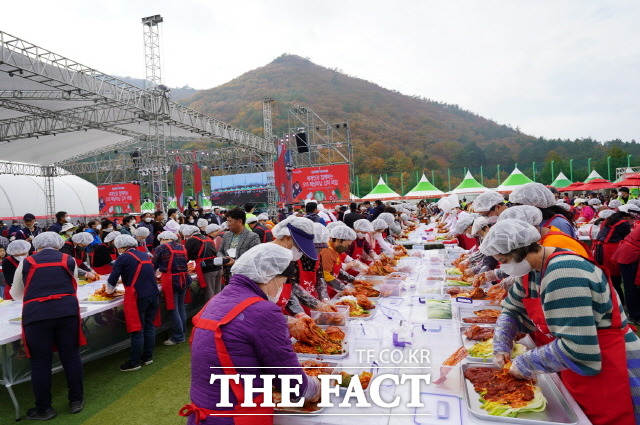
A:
(307, 281)
(337, 266)
(240, 415)
(106, 269)
(284, 298)
(142, 249)
(130, 302)
(614, 405)
(166, 279)
(34, 266)
(604, 250)
(7, 289)
(466, 242)
(201, 259)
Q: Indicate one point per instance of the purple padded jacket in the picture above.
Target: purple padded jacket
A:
(258, 337)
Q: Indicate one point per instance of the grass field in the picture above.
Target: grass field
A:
(152, 395)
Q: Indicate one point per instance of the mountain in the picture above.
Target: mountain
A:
(393, 133)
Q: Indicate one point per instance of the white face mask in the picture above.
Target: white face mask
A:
(360, 235)
(297, 253)
(70, 233)
(99, 226)
(492, 220)
(274, 299)
(147, 220)
(109, 229)
(516, 269)
(19, 257)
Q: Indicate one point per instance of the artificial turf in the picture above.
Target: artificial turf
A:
(152, 395)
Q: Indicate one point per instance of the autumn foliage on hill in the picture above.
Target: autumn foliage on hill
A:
(394, 133)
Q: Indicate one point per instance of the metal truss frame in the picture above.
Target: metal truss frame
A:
(22, 59)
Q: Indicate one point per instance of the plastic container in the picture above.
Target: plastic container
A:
(435, 305)
(418, 247)
(370, 278)
(398, 275)
(333, 319)
(391, 289)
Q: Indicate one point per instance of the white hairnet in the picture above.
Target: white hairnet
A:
(250, 220)
(263, 262)
(111, 236)
(172, 226)
(526, 213)
(404, 217)
(604, 214)
(190, 230)
(564, 205)
(387, 217)
(363, 225)
(212, 228)
(167, 235)
(379, 224)
(507, 235)
(48, 240)
(281, 230)
(320, 233)
(629, 208)
(478, 224)
(82, 238)
(486, 201)
(202, 222)
(335, 224)
(614, 203)
(225, 226)
(443, 204)
(181, 228)
(18, 247)
(454, 202)
(125, 241)
(535, 194)
(343, 232)
(464, 223)
(142, 232)
(595, 201)
(263, 216)
(635, 202)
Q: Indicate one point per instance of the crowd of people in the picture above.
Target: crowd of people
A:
(265, 275)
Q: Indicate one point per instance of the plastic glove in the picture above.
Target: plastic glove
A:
(503, 337)
(490, 276)
(349, 290)
(315, 383)
(515, 371)
(507, 282)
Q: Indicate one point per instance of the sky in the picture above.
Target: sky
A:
(557, 69)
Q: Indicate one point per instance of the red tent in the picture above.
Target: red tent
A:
(572, 187)
(632, 180)
(597, 184)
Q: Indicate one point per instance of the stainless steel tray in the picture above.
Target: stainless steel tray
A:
(557, 411)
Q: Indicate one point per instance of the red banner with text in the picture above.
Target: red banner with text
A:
(119, 198)
(321, 184)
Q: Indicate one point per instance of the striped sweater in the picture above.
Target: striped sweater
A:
(576, 301)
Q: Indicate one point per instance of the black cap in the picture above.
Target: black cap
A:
(29, 216)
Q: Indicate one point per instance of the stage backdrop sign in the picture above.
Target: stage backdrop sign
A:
(321, 184)
(119, 198)
(238, 189)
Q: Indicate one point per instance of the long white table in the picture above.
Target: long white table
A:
(102, 323)
(440, 337)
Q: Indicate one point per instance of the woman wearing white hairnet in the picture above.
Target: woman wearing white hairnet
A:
(252, 339)
(539, 196)
(141, 299)
(334, 259)
(16, 251)
(489, 204)
(201, 249)
(77, 248)
(105, 254)
(380, 244)
(360, 249)
(46, 284)
(170, 258)
(612, 231)
(462, 231)
(583, 330)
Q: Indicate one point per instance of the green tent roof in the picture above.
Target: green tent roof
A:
(515, 179)
(594, 175)
(561, 181)
(469, 185)
(381, 191)
(424, 188)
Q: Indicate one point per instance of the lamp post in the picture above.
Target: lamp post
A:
(358, 185)
(499, 182)
(533, 168)
(609, 168)
(433, 176)
(481, 176)
(449, 177)
(553, 163)
(628, 160)
(401, 182)
(589, 165)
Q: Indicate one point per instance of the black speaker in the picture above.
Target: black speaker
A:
(301, 142)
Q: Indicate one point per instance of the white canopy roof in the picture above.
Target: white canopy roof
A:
(25, 194)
